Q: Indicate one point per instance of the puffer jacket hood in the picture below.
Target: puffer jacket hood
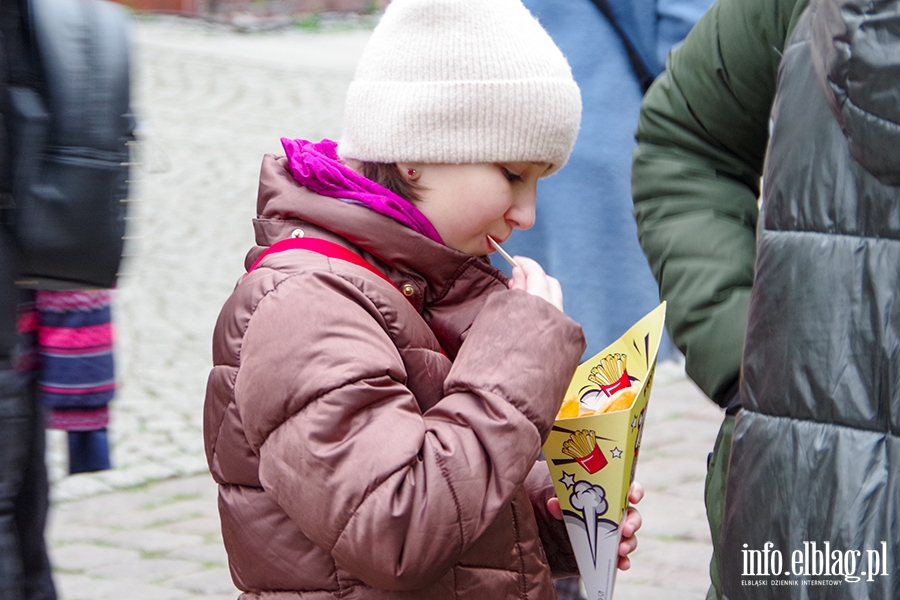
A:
(378, 441)
(856, 52)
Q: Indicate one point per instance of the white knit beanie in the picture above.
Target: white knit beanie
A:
(461, 81)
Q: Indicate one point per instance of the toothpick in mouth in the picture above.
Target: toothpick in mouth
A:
(502, 252)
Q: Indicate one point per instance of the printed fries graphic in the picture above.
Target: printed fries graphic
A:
(610, 374)
(582, 446)
(612, 389)
(593, 447)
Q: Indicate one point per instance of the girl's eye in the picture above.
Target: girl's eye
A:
(510, 175)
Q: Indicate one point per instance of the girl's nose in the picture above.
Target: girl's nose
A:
(521, 214)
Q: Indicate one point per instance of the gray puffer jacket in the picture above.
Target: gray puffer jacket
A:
(816, 454)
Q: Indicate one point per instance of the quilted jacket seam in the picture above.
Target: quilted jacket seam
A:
(356, 511)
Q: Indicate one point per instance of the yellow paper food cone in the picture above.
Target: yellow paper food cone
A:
(594, 445)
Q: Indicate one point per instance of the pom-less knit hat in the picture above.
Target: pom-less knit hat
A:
(461, 81)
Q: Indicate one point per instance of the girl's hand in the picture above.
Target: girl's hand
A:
(530, 277)
(631, 522)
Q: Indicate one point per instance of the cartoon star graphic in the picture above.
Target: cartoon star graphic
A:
(567, 480)
(616, 453)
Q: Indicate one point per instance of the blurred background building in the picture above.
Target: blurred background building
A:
(258, 8)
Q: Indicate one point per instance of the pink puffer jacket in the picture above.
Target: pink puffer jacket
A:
(375, 444)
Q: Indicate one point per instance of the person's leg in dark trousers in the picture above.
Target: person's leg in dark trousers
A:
(31, 511)
(25, 572)
(15, 434)
(716, 476)
(15, 431)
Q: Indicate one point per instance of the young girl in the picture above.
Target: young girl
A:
(380, 391)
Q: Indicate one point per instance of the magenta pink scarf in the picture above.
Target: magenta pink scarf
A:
(318, 168)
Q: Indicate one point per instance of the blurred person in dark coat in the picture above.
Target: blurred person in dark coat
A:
(25, 571)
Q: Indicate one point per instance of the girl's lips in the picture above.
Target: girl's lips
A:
(502, 252)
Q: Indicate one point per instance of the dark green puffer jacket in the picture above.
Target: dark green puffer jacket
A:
(816, 454)
(695, 178)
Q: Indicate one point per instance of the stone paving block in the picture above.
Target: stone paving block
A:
(137, 471)
(62, 531)
(211, 554)
(678, 564)
(191, 445)
(146, 570)
(150, 540)
(660, 436)
(692, 408)
(693, 448)
(648, 592)
(205, 526)
(166, 422)
(177, 506)
(701, 422)
(70, 586)
(695, 452)
(70, 488)
(666, 517)
(669, 472)
(80, 557)
(199, 486)
(210, 581)
(159, 514)
(84, 588)
(185, 465)
(691, 490)
(100, 508)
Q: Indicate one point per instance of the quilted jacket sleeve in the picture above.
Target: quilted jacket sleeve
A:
(344, 448)
(702, 136)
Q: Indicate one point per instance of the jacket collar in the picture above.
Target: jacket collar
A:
(318, 168)
(448, 284)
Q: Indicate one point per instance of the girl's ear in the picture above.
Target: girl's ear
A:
(408, 171)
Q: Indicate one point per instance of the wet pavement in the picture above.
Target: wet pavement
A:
(210, 103)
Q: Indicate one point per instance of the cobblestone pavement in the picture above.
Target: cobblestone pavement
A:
(210, 103)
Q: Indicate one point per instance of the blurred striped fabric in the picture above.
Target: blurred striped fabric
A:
(70, 336)
(74, 338)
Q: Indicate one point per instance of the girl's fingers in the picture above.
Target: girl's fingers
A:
(636, 493)
(627, 546)
(518, 279)
(535, 278)
(556, 295)
(554, 508)
(530, 277)
(632, 522)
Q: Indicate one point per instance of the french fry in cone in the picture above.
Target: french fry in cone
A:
(593, 448)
